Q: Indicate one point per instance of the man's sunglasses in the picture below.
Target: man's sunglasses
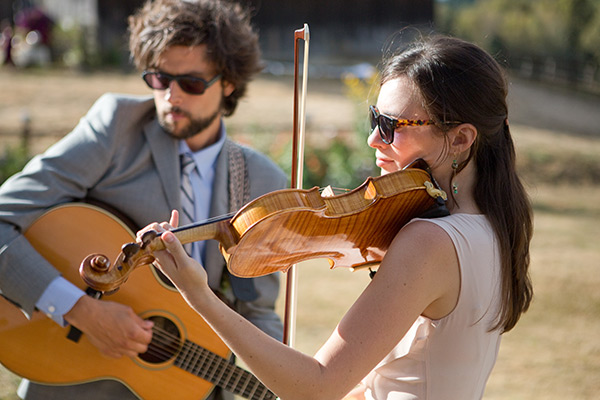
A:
(388, 125)
(187, 83)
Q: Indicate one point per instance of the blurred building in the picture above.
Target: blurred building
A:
(340, 29)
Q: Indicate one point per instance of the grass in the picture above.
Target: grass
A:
(554, 351)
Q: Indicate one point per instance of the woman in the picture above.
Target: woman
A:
(428, 325)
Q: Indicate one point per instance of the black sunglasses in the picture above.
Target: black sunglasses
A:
(388, 125)
(187, 83)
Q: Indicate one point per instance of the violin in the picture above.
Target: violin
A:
(288, 226)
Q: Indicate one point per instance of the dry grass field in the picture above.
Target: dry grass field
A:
(552, 354)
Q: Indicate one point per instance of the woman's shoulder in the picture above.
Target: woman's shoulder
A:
(471, 233)
(423, 255)
(422, 241)
(421, 234)
(436, 238)
(460, 222)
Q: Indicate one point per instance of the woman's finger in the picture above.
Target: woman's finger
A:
(151, 227)
(165, 226)
(174, 246)
(174, 221)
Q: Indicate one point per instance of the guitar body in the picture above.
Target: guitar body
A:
(38, 349)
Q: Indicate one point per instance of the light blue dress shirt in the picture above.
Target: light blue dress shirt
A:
(202, 178)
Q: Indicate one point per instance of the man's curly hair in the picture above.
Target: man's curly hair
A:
(223, 26)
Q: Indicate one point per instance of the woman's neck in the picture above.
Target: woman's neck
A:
(460, 192)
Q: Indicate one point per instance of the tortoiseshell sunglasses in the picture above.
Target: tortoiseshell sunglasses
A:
(388, 125)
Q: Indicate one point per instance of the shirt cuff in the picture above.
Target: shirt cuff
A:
(58, 299)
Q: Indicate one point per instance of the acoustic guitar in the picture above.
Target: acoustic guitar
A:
(185, 360)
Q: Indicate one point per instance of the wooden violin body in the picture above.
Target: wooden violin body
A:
(288, 226)
(351, 230)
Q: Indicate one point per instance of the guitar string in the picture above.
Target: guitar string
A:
(168, 347)
(165, 346)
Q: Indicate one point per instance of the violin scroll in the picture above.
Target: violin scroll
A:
(97, 272)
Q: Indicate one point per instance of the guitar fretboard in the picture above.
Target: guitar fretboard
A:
(215, 369)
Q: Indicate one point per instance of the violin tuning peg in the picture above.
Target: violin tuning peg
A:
(147, 237)
(129, 250)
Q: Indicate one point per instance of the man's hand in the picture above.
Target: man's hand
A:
(112, 327)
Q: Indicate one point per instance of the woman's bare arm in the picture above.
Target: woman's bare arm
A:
(418, 275)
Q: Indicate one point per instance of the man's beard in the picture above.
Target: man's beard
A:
(195, 126)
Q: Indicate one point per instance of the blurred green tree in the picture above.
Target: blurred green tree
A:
(539, 37)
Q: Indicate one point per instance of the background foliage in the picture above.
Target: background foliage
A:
(555, 40)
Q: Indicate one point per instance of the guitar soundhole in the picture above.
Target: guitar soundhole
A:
(166, 341)
(163, 278)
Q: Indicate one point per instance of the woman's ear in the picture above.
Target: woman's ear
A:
(462, 137)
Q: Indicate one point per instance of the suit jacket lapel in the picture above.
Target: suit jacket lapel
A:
(166, 161)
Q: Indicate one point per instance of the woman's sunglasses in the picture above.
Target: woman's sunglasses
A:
(388, 125)
(189, 84)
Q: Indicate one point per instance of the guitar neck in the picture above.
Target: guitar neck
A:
(213, 368)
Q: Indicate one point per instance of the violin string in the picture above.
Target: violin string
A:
(334, 188)
(204, 222)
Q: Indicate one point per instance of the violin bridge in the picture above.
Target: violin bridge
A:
(327, 191)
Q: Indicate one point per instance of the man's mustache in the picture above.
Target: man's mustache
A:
(178, 110)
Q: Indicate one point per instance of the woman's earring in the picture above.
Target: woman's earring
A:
(454, 168)
(454, 188)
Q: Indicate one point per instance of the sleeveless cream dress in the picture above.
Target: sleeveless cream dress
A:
(450, 358)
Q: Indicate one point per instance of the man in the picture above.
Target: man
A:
(198, 57)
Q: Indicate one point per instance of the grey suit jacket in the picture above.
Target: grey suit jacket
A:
(119, 155)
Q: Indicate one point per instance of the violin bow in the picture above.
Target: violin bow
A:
(289, 323)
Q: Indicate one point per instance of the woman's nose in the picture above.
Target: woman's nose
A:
(374, 138)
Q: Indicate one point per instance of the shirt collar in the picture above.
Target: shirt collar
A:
(206, 157)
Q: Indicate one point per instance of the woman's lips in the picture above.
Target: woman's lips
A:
(383, 162)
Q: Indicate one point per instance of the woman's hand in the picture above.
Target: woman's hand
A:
(187, 274)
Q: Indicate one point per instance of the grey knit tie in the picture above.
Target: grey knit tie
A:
(187, 214)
